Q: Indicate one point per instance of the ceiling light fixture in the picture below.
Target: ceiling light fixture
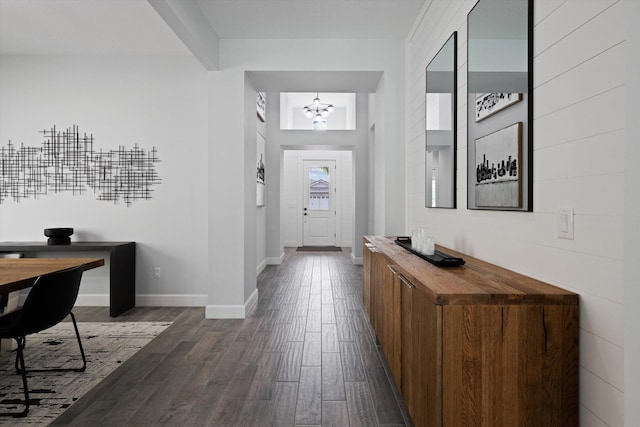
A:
(318, 113)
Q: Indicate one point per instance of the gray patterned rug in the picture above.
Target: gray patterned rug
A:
(106, 345)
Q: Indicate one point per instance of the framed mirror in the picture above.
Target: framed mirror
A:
(440, 129)
(500, 105)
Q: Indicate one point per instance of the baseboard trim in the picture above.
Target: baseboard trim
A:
(224, 312)
(261, 267)
(85, 300)
(156, 300)
(232, 311)
(356, 260)
(94, 300)
(275, 260)
(211, 311)
(147, 300)
(251, 303)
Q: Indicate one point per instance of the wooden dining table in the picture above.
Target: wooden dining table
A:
(21, 273)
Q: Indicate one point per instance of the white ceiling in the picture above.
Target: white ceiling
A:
(97, 27)
(318, 81)
(334, 19)
(85, 27)
(134, 27)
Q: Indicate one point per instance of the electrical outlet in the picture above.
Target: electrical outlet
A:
(565, 223)
(157, 273)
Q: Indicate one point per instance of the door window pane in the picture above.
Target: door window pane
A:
(319, 188)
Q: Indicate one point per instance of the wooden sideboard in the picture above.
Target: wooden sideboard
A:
(476, 345)
(122, 266)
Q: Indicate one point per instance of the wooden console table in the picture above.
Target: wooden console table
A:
(122, 272)
(476, 345)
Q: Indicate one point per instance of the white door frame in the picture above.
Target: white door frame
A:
(291, 196)
(319, 225)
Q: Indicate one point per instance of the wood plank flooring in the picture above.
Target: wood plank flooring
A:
(306, 356)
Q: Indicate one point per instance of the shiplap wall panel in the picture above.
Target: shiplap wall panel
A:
(556, 59)
(578, 162)
(595, 273)
(595, 76)
(592, 116)
(589, 195)
(442, 19)
(602, 358)
(566, 18)
(607, 407)
(588, 418)
(549, 163)
(603, 318)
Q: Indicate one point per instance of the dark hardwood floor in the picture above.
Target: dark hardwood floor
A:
(305, 356)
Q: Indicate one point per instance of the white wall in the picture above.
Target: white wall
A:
(292, 202)
(232, 195)
(249, 209)
(345, 55)
(149, 101)
(261, 212)
(378, 172)
(356, 141)
(578, 162)
(631, 213)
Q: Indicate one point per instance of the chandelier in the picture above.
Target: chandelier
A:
(318, 113)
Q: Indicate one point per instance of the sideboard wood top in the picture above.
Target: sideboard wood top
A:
(475, 282)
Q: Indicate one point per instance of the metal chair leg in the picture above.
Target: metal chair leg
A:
(20, 368)
(24, 378)
(84, 359)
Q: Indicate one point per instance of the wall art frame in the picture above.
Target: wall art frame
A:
(260, 169)
(261, 105)
(488, 104)
(498, 171)
(500, 94)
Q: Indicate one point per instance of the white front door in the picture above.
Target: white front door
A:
(318, 203)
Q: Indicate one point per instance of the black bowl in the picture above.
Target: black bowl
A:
(58, 236)
(58, 232)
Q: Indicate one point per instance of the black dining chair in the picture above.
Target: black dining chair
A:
(49, 301)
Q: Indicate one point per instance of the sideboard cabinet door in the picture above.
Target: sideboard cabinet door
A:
(421, 356)
(367, 255)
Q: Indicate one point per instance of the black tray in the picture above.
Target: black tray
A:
(438, 258)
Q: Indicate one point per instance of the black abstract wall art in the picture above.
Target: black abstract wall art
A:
(68, 162)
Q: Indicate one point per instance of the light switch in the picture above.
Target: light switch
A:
(565, 223)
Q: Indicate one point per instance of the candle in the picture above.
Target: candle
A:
(429, 246)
